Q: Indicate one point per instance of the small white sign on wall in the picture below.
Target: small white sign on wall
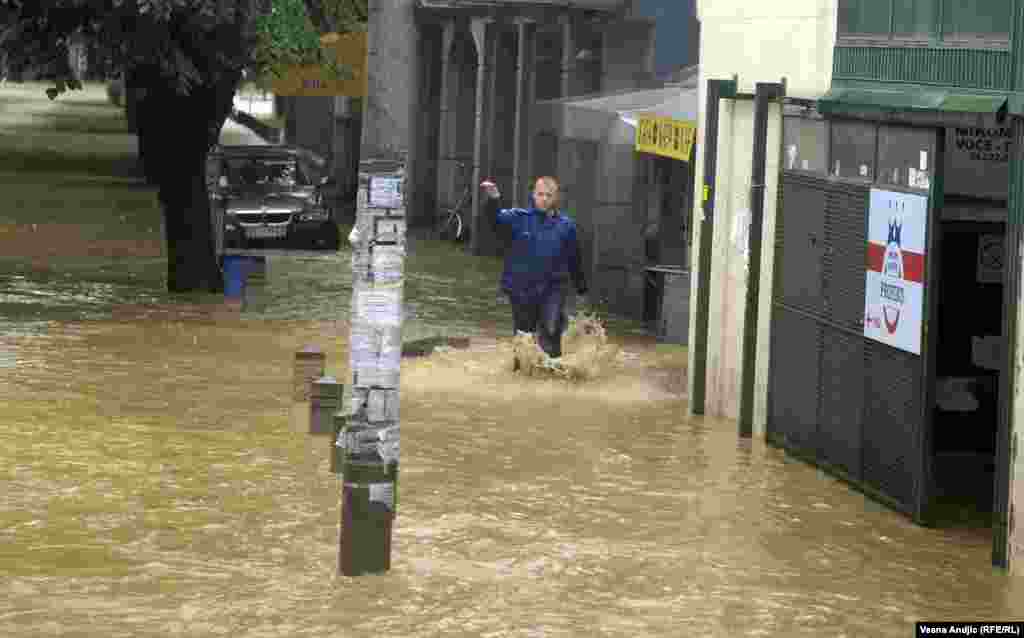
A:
(990, 259)
(741, 232)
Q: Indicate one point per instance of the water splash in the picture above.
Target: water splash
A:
(586, 351)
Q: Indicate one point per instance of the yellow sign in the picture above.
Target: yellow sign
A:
(665, 136)
(349, 50)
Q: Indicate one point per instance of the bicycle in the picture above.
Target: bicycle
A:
(453, 223)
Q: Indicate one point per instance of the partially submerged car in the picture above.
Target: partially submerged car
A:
(272, 197)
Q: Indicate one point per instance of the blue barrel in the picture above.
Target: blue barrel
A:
(235, 271)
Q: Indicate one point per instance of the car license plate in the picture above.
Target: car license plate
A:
(257, 232)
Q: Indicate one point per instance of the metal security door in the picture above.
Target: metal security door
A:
(840, 401)
(796, 312)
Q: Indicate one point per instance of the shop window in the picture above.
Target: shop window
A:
(976, 19)
(864, 17)
(906, 156)
(806, 145)
(913, 18)
(853, 150)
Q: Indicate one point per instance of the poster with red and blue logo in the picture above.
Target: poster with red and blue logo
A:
(894, 296)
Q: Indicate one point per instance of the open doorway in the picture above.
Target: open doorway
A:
(971, 345)
(666, 229)
(965, 416)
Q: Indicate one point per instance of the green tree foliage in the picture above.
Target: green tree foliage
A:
(290, 34)
(182, 61)
(188, 42)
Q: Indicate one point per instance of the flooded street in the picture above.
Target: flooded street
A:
(156, 479)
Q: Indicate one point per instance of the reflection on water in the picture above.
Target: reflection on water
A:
(154, 481)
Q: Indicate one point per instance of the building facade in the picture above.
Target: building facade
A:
(753, 43)
(463, 89)
(888, 292)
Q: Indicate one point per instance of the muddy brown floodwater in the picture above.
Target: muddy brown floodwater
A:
(155, 480)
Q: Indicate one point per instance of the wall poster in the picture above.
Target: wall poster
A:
(894, 293)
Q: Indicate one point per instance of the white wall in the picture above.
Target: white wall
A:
(758, 42)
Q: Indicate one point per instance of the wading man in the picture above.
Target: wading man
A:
(543, 259)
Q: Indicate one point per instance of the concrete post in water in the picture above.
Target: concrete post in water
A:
(324, 402)
(309, 366)
(369, 438)
(257, 270)
(340, 420)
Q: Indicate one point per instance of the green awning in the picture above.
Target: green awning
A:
(845, 99)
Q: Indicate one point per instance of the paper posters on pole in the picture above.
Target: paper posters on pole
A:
(380, 306)
(385, 192)
(894, 294)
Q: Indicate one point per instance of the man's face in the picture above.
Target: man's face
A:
(544, 195)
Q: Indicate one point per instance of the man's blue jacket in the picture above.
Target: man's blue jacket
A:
(542, 252)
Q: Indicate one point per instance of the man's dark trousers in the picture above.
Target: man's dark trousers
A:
(544, 316)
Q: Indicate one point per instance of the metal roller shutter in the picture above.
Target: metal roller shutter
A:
(849, 404)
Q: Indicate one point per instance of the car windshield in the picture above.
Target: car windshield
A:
(265, 172)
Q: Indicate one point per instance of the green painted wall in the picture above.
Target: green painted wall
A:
(954, 43)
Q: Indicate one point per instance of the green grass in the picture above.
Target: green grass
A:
(69, 166)
(272, 120)
(71, 161)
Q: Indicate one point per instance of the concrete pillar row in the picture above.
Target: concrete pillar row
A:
(568, 54)
(564, 161)
(489, 151)
(479, 29)
(526, 41)
(446, 135)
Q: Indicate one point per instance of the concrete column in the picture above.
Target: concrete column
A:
(446, 136)
(391, 70)
(564, 161)
(568, 54)
(529, 100)
(479, 29)
(415, 211)
(526, 38)
(488, 164)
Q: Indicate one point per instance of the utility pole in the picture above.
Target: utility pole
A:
(369, 440)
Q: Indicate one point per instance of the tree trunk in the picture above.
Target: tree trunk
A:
(176, 133)
(346, 166)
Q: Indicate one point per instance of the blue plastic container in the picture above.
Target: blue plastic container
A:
(236, 268)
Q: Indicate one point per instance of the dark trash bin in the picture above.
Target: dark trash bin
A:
(671, 287)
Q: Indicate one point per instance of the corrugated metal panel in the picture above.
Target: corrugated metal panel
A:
(799, 241)
(845, 255)
(793, 421)
(842, 400)
(952, 67)
(892, 421)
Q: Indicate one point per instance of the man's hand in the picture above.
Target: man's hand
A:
(490, 188)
